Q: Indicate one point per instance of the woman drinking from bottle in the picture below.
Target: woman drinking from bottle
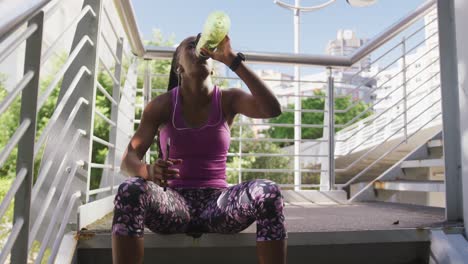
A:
(196, 117)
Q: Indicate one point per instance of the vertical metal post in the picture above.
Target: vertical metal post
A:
(450, 110)
(147, 98)
(115, 112)
(240, 149)
(331, 131)
(32, 62)
(405, 99)
(297, 103)
(89, 57)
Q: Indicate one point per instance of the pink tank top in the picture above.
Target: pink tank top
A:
(203, 149)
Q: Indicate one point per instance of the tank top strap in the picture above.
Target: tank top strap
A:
(217, 112)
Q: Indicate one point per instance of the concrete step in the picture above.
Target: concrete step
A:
(425, 163)
(344, 233)
(435, 143)
(415, 186)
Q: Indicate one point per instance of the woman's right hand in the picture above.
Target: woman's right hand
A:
(160, 171)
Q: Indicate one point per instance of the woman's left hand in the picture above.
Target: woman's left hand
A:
(223, 53)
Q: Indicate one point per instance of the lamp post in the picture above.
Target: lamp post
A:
(297, 9)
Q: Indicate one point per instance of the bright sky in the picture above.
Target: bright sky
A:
(261, 25)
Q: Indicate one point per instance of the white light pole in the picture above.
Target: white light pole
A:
(297, 9)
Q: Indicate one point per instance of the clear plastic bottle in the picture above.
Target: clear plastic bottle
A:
(216, 27)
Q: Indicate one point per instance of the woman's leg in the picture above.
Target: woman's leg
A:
(138, 203)
(237, 207)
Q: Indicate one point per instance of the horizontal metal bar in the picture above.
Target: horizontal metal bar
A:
(11, 239)
(23, 11)
(101, 190)
(304, 110)
(15, 91)
(105, 93)
(64, 190)
(19, 133)
(301, 185)
(386, 67)
(376, 60)
(108, 121)
(59, 108)
(110, 48)
(421, 28)
(274, 170)
(386, 110)
(44, 171)
(389, 151)
(281, 125)
(109, 71)
(249, 154)
(137, 121)
(59, 75)
(100, 166)
(301, 96)
(393, 31)
(17, 42)
(237, 78)
(50, 50)
(374, 104)
(63, 224)
(276, 140)
(304, 59)
(103, 142)
(265, 57)
(12, 191)
(111, 23)
(364, 82)
(391, 121)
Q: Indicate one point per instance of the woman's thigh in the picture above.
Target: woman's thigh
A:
(238, 206)
(139, 203)
(231, 212)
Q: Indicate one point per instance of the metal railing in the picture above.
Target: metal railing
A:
(64, 174)
(89, 84)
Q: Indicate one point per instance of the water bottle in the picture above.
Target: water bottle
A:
(215, 29)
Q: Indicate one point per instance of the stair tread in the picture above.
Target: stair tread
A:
(411, 185)
(355, 217)
(435, 143)
(422, 163)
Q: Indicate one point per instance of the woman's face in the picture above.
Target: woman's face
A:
(189, 62)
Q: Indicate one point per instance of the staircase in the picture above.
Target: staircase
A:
(418, 178)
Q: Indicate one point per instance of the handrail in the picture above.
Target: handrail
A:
(127, 15)
(18, 16)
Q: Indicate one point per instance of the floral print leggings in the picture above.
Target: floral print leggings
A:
(139, 203)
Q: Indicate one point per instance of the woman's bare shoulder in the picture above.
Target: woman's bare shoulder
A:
(160, 106)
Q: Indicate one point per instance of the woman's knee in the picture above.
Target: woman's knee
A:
(266, 191)
(132, 188)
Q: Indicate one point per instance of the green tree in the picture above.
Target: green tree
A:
(253, 162)
(316, 118)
